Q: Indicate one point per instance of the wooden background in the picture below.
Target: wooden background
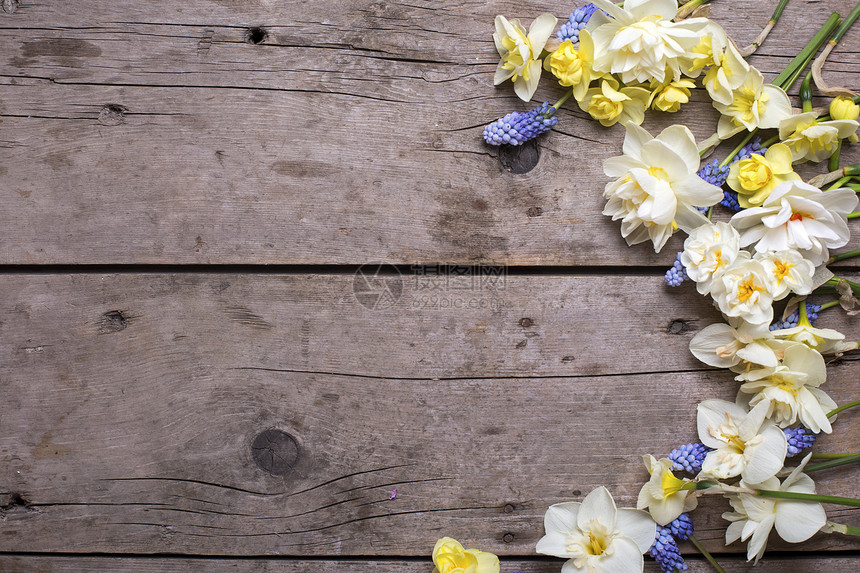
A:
(188, 381)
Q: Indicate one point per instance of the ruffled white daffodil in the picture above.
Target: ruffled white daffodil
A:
(811, 140)
(657, 187)
(744, 443)
(754, 516)
(708, 251)
(640, 41)
(755, 177)
(736, 345)
(728, 69)
(665, 496)
(754, 104)
(450, 557)
(597, 537)
(789, 272)
(790, 390)
(745, 290)
(520, 52)
(798, 216)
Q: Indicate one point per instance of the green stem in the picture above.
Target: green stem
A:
(561, 101)
(687, 8)
(833, 163)
(834, 456)
(849, 21)
(854, 215)
(842, 408)
(802, 59)
(843, 256)
(839, 182)
(847, 459)
(827, 305)
(850, 529)
(706, 554)
(835, 281)
(740, 146)
(771, 141)
(811, 497)
(806, 94)
(778, 12)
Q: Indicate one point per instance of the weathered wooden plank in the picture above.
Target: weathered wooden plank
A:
(157, 134)
(137, 411)
(44, 564)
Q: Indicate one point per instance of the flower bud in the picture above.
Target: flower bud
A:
(844, 108)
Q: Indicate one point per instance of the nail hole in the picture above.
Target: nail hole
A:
(256, 35)
(275, 452)
(509, 508)
(526, 322)
(534, 212)
(508, 538)
(113, 321)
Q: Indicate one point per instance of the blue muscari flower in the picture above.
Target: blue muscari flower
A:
(665, 551)
(713, 173)
(576, 22)
(682, 527)
(516, 128)
(753, 146)
(791, 320)
(799, 439)
(689, 458)
(730, 200)
(676, 273)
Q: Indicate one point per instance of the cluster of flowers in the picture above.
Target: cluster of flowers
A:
(618, 61)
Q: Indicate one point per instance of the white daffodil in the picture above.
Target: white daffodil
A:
(790, 389)
(798, 216)
(754, 104)
(745, 290)
(640, 41)
(664, 495)
(708, 252)
(754, 516)
(657, 187)
(597, 537)
(789, 272)
(728, 69)
(811, 140)
(736, 345)
(520, 52)
(823, 340)
(744, 443)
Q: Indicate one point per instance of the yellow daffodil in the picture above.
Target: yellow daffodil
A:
(844, 108)
(669, 97)
(609, 105)
(755, 177)
(573, 66)
(450, 557)
(520, 52)
(813, 140)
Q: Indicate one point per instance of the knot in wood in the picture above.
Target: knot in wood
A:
(10, 6)
(519, 158)
(275, 452)
(112, 114)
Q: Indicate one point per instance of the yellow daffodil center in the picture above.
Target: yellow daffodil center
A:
(658, 173)
(513, 59)
(704, 54)
(781, 269)
(670, 484)
(596, 544)
(566, 64)
(748, 105)
(736, 442)
(747, 288)
(754, 173)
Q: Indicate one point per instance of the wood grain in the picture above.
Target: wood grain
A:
(24, 564)
(131, 404)
(350, 133)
